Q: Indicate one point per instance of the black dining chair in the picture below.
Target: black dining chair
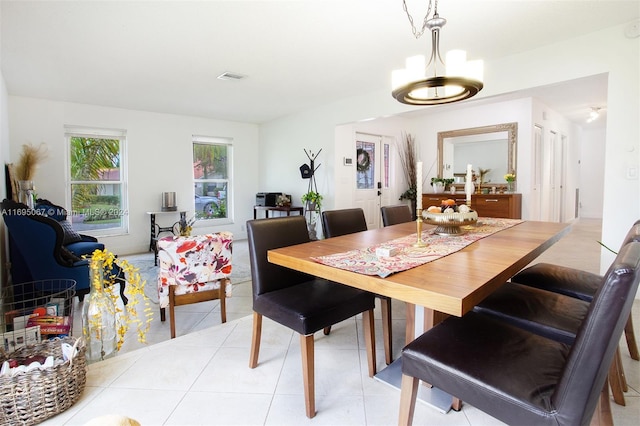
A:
(521, 377)
(348, 221)
(578, 284)
(392, 215)
(552, 300)
(299, 301)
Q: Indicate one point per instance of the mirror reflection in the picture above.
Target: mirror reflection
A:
(489, 149)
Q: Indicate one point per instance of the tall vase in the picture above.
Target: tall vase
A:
(99, 318)
(511, 186)
(25, 192)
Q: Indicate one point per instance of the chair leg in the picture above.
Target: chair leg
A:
(172, 312)
(615, 381)
(223, 300)
(456, 405)
(326, 330)
(163, 315)
(630, 335)
(307, 351)
(602, 415)
(385, 304)
(408, 394)
(370, 340)
(623, 377)
(255, 339)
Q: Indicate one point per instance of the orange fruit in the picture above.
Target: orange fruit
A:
(449, 202)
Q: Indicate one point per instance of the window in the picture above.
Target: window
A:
(211, 177)
(97, 180)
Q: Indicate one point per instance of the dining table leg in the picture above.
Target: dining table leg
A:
(418, 320)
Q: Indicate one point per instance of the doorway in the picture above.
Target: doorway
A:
(373, 181)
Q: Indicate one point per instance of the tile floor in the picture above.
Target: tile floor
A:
(202, 377)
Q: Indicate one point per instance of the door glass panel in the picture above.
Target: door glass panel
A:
(365, 165)
(385, 165)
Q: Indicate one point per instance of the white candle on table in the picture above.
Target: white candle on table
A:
(467, 185)
(419, 186)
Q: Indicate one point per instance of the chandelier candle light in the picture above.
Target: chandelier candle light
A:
(419, 242)
(420, 84)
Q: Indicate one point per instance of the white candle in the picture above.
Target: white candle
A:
(419, 186)
(467, 186)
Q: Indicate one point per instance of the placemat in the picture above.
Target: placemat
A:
(365, 261)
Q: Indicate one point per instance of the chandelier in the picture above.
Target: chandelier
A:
(420, 84)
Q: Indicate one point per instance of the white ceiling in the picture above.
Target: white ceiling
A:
(164, 56)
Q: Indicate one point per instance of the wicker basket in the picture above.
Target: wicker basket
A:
(31, 397)
(35, 311)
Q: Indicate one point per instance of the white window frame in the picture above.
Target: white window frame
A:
(216, 140)
(94, 132)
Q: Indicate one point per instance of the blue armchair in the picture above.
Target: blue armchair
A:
(37, 246)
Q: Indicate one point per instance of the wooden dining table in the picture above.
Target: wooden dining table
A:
(450, 285)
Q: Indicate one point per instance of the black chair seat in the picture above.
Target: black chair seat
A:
(560, 279)
(579, 284)
(310, 306)
(521, 377)
(300, 301)
(542, 312)
(505, 371)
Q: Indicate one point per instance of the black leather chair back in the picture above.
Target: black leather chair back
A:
(568, 281)
(342, 222)
(576, 396)
(392, 215)
(267, 234)
(633, 234)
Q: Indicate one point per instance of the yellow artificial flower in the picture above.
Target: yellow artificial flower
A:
(134, 290)
(509, 177)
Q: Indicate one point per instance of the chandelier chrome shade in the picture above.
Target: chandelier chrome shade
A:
(420, 84)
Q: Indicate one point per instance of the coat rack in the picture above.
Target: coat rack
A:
(311, 209)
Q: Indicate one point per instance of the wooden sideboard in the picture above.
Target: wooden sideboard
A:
(487, 205)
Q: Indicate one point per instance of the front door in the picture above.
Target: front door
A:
(372, 176)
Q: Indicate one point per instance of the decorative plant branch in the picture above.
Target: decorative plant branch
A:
(408, 158)
(611, 250)
(30, 158)
(483, 173)
(135, 291)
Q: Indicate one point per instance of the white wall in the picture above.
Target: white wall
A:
(592, 173)
(345, 176)
(605, 51)
(159, 157)
(4, 156)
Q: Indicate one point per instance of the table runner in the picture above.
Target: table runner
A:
(365, 261)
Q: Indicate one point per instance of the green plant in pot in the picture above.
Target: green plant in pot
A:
(313, 200)
(440, 182)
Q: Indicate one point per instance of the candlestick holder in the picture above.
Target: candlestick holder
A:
(419, 242)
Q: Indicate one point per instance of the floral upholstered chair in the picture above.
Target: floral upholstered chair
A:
(194, 269)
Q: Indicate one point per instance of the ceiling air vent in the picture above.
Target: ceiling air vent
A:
(231, 76)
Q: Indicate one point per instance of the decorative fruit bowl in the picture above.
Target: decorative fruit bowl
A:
(449, 218)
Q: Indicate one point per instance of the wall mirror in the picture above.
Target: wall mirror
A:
(490, 148)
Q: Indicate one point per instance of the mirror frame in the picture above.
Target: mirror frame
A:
(512, 137)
